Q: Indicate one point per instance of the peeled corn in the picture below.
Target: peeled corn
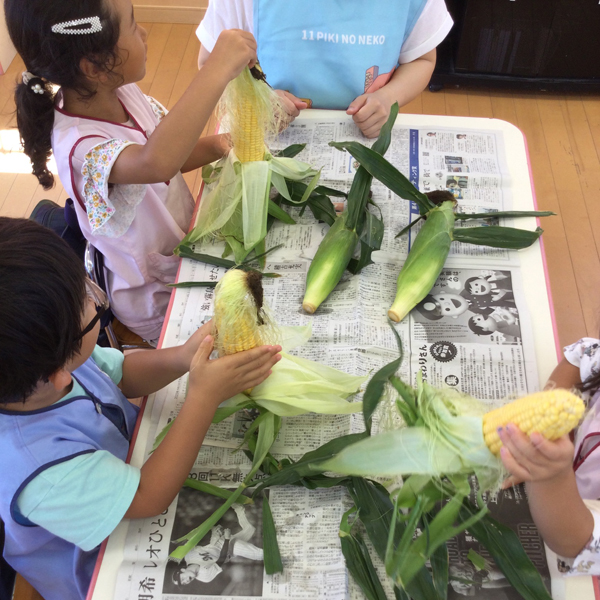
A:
(552, 413)
(250, 143)
(240, 319)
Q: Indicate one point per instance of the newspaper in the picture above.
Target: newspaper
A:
(472, 333)
(488, 583)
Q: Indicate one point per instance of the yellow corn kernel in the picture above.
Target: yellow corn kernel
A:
(250, 143)
(239, 339)
(552, 413)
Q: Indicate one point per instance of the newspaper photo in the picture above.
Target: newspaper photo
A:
(510, 508)
(472, 333)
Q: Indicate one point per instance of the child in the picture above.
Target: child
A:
(118, 153)
(563, 479)
(65, 422)
(341, 55)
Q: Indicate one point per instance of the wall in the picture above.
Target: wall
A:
(7, 50)
(170, 11)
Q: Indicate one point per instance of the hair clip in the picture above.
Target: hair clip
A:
(36, 88)
(93, 26)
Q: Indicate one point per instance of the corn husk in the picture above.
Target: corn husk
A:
(236, 204)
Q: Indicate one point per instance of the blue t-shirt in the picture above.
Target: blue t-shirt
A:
(83, 499)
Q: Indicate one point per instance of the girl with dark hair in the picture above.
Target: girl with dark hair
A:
(119, 154)
(65, 419)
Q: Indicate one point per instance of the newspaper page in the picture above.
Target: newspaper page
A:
(471, 333)
(510, 508)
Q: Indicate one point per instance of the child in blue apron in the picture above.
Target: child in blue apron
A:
(340, 54)
(65, 421)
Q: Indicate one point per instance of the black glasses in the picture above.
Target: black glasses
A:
(98, 295)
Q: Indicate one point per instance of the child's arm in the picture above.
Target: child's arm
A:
(147, 371)
(370, 111)
(211, 382)
(174, 139)
(565, 375)
(292, 104)
(563, 520)
(207, 150)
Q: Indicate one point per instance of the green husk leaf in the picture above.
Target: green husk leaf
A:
(279, 183)
(214, 490)
(370, 240)
(322, 208)
(375, 387)
(359, 563)
(497, 237)
(507, 551)
(358, 196)
(290, 151)
(258, 256)
(272, 556)
(193, 537)
(478, 561)
(256, 183)
(409, 226)
(385, 172)
(309, 464)
(507, 214)
(327, 191)
(186, 252)
(190, 284)
(376, 510)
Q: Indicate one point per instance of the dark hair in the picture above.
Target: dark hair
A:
(42, 298)
(54, 58)
(469, 281)
(477, 329)
(177, 576)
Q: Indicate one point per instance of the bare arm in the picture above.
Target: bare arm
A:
(565, 375)
(370, 111)
(148, 371)
(563, 520)
(174, 139)
(211, 382)
(207, 150)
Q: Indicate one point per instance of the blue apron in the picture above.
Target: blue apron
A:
(331, 51)
(33, 441)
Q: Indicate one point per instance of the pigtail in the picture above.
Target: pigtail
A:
(35, 120)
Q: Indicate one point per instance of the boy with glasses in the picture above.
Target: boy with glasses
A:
(66, 423)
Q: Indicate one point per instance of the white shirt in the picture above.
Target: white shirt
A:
(430, 29)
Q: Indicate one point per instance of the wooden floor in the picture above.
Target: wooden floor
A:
(563, 135)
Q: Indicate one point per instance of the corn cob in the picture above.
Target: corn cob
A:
(553, 413)
(240, 319)
(425, 260)
(329, 263)
(250, 143)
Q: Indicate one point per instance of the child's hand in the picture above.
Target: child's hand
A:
(234, 50)
(189, 349)
(227, 376)
(370, 112)
(292, 104)
(534, 458)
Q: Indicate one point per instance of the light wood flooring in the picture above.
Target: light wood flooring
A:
(563, 135)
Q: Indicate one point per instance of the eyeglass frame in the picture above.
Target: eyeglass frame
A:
(101, 302)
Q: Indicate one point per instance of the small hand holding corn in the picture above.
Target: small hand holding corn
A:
(534, 458)
(552, 413)
(227, 376)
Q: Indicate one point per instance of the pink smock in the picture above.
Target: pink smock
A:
(136, 227)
